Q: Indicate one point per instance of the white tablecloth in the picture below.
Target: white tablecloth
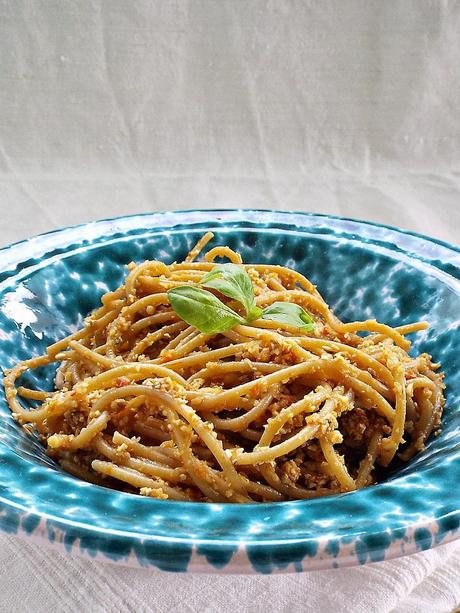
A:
(344, 107)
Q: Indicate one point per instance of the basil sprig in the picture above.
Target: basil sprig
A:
(289, 313)
(203, 310)
(234, 282)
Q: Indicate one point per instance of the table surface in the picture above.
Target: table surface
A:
(111, 108)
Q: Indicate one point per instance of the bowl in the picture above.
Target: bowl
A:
(49, 283)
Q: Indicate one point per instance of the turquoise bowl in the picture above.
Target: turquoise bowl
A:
(49, 283)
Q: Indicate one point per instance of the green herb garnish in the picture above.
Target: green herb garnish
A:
(201, 309)
(291, 314)
(234, 282)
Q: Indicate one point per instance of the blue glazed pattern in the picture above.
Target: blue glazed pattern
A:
(49, 283)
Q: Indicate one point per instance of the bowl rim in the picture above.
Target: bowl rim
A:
(185, 211)
(373, 541)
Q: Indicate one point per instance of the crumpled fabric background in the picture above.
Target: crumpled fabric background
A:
(110, 107)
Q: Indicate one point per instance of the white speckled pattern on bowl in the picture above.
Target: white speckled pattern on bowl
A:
(49, 283)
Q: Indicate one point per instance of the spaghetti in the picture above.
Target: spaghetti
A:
(261, 411)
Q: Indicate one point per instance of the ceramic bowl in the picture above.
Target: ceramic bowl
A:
(49, 283)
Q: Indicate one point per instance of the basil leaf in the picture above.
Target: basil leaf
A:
(202, 309)
(254, 313)
(234, 282)
(289, 313)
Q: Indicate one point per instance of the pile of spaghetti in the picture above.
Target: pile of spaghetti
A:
(261, 410)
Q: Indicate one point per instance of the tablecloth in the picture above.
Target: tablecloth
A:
(109, 107)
